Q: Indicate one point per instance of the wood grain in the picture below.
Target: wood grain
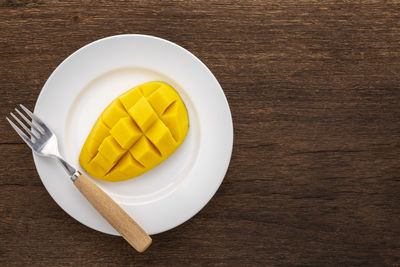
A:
(314, 90)
(113, 213)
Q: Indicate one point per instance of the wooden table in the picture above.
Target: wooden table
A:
(314, 89)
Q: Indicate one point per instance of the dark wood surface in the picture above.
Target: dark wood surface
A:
(314, 89)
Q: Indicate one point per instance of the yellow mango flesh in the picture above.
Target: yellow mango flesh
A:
(135, 133)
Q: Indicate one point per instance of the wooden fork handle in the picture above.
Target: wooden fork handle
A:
(113, 213)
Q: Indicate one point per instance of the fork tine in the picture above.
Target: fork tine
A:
(24, 126)
(35, 118)
(40, 131)
(21, 133)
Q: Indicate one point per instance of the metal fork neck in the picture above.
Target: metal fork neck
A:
(68, 168)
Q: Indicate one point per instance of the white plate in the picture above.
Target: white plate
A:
(88, 80)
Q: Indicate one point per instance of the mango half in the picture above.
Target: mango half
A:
(135, 133)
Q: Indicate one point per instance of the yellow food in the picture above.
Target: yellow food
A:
(135, 133)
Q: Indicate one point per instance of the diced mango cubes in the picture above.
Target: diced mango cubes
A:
(135, 133)
(125, 132)
(143, 114)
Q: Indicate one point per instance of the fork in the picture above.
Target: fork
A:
(44, 143)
